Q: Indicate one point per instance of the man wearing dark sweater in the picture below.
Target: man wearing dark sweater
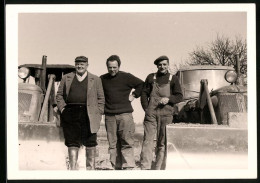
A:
(80, 99)
(118, 113)
(161, 91)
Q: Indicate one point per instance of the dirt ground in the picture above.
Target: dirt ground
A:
(40, 155)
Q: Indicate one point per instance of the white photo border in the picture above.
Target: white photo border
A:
(13, 171)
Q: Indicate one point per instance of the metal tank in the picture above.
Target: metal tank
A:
(190, 77)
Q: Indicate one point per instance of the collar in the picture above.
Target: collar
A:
(81, 78)
(114, 75)
(162, 74)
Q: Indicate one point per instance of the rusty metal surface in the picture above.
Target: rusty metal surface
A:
(207, 138)
(40, 131)
(229, 102)
(237, 120)
(30, 98)
(230, 89)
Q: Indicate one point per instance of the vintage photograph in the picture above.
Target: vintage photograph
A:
(105, 91)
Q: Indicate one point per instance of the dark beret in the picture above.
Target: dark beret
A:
(81, 59)
(160, 59)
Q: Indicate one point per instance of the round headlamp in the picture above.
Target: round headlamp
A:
(231, 76)
(23, 72)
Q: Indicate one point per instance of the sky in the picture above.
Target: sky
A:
(137, 38)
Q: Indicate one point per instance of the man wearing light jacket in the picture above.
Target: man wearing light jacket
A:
(80, 99)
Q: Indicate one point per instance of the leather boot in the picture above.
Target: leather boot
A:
(73, 157)
(90, 158)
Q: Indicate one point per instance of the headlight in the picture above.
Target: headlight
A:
(231, 76)
(23, 72)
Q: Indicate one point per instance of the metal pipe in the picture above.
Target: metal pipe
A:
(38, 76)
(211, 109)
(43, 73)
(238, 65)
(239, 80)
(46, 99)
(214, 101)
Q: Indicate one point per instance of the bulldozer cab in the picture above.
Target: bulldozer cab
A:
(36, 92)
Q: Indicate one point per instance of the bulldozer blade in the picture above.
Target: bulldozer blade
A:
(195, 146)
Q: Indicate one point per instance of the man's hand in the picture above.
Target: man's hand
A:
(55, 109)
(164, 101)
(62, 110)
(131, 97)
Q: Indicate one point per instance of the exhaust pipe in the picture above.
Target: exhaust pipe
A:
(43, 74)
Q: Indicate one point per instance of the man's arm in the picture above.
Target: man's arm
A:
(145, 95)
(59, 97)
(137, 84)
(176, 92)
(100, 96)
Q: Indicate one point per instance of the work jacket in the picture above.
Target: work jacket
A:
(95, 98)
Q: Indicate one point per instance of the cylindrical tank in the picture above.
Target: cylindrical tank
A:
(30, 98)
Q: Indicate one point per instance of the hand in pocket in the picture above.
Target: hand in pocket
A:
(131, 98)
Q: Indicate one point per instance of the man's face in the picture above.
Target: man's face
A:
(163, 66)
(81, 67)
(112, 67)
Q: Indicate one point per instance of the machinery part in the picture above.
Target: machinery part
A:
(239, 80)
(180, 154)
(43, 73)
(237, 120)
(29, 105)
(46, 99)
(23, 73)
(231, 76)
(204, 96)
(191, 105)
(230, 102)
(209, 138)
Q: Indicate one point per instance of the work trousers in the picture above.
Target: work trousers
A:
(120, 134)
(155, 128)
(76, 127)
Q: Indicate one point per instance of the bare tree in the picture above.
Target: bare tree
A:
(221, 51)
(201, 57)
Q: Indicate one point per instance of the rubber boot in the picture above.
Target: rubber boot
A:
(90, 158)
(73, 157)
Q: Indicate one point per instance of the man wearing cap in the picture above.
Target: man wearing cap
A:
(80, 99)
(118, 113)
(161, 91)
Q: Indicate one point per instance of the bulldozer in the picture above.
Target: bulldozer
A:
(212, 119)
(39, 131)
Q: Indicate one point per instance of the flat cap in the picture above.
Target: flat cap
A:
(81, 59)
(160, 59)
